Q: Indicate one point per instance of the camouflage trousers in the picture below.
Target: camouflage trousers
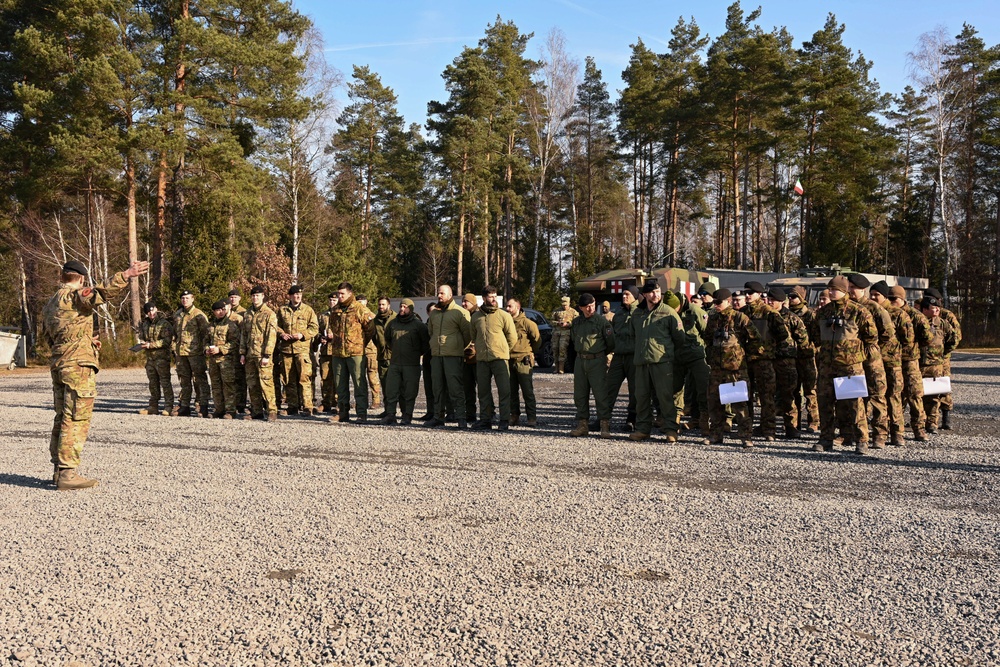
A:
(691, 378)
(848, 414)
(158, 373)
(764, 389)
(192, 370)
(402, 384)
(74, 389)
(328, 383)
(913, 394)
(719, 414)
(894, 398)
(560, 346)
(260, 386)
(296, 375)
(933, 404)
(805, 370)
(371, 374)
(946, 401)
(876, 406)
(622, 369)
(786, 378)
(222, 374)
(522, 382)
(240, 373)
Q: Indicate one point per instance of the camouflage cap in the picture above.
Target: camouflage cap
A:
(838, 283)
(74, 266)
(407, 302)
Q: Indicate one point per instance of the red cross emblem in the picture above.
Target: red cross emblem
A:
(617, 286)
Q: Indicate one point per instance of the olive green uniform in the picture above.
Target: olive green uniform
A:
(593, 339)
(190, 340)
(223, 333)
(691, 371)
(622, 366)
(158, 334)
(450, 331)
(522, 367)
(407, 340)
(295, 355)
(68, 327)
(729, 337)
(258, 339)
(383, 353)
(658, 333)
(494, 334)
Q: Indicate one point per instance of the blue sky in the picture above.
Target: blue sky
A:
(410, 42)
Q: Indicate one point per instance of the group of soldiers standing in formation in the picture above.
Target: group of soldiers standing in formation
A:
(676, 357)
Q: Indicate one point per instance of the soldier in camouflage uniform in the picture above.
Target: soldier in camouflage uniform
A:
(785, 362)
(776, 339)
(68, 327)
(805, 363)
(691, 371)
(328, 384)
(297, 327)
(943, 341)
(258, 340)
(593, 340)
(842, 331)
(156, 335)
(522, 364)
(947, 402)
(913, 382)
(190, 340)
(561, 320)
(729, 337)
(407, 340)
(892, 359)
(236, 314)
(352, 326)
(622, 366)
(222, 353)
(876, 402)
(370, 363)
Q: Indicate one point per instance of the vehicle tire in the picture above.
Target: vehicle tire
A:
(545, 358)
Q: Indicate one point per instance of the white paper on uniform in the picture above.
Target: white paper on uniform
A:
(854, 386)
(937, 386)
(734, 392)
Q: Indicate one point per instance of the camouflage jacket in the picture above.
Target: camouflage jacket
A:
(260, 333)
(694, 319)
(301, 320)
(892, 352)
(658, 333)
(803, 347)
(238, 310)
(529, 338)
(190, 332)
(450, 330)
(225, 334)
(407, 340)
(351, 329)
(956, 327)
(883, 323)
(159, 334)
(562, 319)
(592, 335)
(773, 333)
(622, 326)
(806, 315)
(381, 343)
(921, 334)
(943, 342)
(323, 337)
(729, 337)
(842, 331)
(68, 322)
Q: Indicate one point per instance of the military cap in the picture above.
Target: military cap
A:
(333, 295)
(929, 301)
(672, 300)
(739, 292)
(148, 307)
(634, 291)
(187, 292)
(754, 286)
(777, 294)
(470, 297)
(649, 286)
(838, 283)
(586, 299)
(234, 292)
(882, 287)
(722, 294)
(565, 299)
(74, 266)
(294, 289)
(825, 293)
(858, 280)
(257, 289)
(798, 291)
(407, 302)
(930, 291)
(705, 289)
(219, 305)
(897, 292)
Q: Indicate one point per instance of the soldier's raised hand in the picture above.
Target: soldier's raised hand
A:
(136, 269)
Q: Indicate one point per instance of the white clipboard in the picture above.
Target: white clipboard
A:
(937, 386)
(854, 386)
(734, 392)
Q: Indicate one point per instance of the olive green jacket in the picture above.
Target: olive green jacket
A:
(450, 330)
(592, 335)
(529, 338)
(407, 340)
(658, 332)
(260, 332)
(494, 334)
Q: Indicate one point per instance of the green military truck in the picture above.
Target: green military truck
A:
(609, 285)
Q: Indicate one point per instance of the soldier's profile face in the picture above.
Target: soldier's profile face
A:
(257, 299)
(627, 298)
(187, 300)
(343, 294)
(513, 307)
(722, 305)
(444, 293)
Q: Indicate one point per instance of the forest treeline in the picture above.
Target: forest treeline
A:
(205, 136)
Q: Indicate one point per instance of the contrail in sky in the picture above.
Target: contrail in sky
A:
(415, 42)
(590, 12)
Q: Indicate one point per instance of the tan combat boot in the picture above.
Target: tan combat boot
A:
(68, 481)
(151, 410)
(581, 429)
(670, 435)
(637, 436)
(704, 425)
(559, 368)
(605, 429)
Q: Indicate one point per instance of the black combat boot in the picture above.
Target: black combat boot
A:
(946, 420)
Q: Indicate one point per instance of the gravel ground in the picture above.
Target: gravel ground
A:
(297, 543)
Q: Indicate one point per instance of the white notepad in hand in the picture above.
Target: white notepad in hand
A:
(854, 386)
(734, 392)
(937, 386)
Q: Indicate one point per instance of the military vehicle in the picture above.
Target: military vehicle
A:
(609, 285)
(815, 279)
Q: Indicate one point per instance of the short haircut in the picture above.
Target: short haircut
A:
(489, 289)
(514, 299)
(346, 285)
(383, 298)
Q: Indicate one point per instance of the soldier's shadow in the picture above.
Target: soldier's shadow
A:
(11, 479)
(842, 456)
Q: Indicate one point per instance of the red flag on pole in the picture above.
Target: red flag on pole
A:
(798, 187)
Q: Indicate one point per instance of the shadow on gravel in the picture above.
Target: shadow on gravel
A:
(9, 479)
(872, 459)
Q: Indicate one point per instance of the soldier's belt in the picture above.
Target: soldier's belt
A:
(584, 355)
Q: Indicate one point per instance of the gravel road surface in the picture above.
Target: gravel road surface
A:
(215, 542)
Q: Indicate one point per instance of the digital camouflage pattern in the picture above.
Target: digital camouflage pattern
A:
(947, 403)
(786, 372)
(159, 334)
(892, 359)
(561, 320)
(932, 356)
